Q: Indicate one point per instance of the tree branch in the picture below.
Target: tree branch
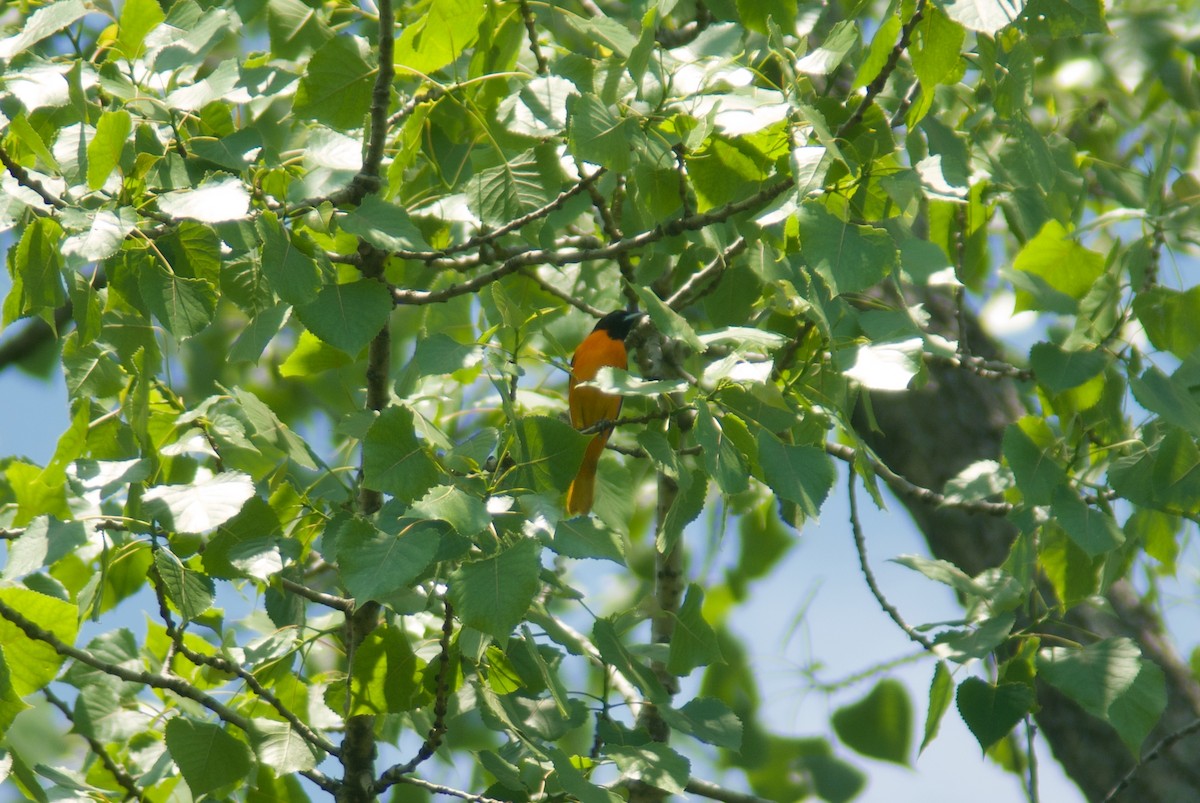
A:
(906, 487)
(860, 546)
(123, 778)
(560, 257)
(433, 740)
(29, 182)
(172, 684)
(704, 280)
(713, 792)
(876, 86)
(229, 667)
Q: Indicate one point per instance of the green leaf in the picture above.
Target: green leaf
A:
(823, 60)
(707, 719)
(613, 651)
(653, 764)
(983, 16)
(467, 514)
(258, 333)
(493, 594)
(104, 235)
(1065, 19)
(294, 276)
(992, 711)
(759, 15)
(138, 18)
(384, 225)
(1168, 397)
(977, 482)
(800, 474)
(279, 746)
(336, 87)
(104, 151)
(888, 366)
(1112, 681)
(375, 565)
(439, 354)
(596, 134)
(348, 316)
(207, 756)
(574, 782)
(200, 506)
(44, 542)
(694, 642)
(44, 22)
(312, 357)
(33, 664)
(687, 507)
(11, 703)
(1027, 447)
(1171, 318)
(722, 460)
(882, 43)
(549, 453)
(439, 35)
(295, 28)
(936, 48)
(1056, 259)
(37, 287)
(394, 461)
(28, 136)
(668, 321)
(880, 724)
(1059, 370)
(191, 592)
(848, 257)
(502, 193)
(213, 201)
(941, 693)
(581, 537)
(386, 678)
(185, 307)
(1092, 530)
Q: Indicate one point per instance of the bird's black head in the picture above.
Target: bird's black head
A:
(619, 323)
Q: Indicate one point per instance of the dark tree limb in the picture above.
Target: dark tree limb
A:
(931, 434)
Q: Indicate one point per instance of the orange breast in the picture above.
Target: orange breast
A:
(589, 405)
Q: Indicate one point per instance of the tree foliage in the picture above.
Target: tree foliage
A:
(313, 272)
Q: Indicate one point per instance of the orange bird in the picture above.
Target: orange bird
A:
(605, 346)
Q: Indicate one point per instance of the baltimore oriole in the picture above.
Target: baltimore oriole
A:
(605, 346)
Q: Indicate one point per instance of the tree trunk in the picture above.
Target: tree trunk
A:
(931, 434)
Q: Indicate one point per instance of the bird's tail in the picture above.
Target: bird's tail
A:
(582, 492)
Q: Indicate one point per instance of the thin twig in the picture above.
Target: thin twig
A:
(713, 792)
(559, 257)
(321, 598)
(543, 66)
(229, 667)
(906, 487)
(1163, 746)
(26, 180)
(671, 38)
(562, 295)
(176, 685)
(703, 280)
(123, 778)
(439, 789)
(860, 545)
(988, 369)
(876, 86)
(433, 740)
